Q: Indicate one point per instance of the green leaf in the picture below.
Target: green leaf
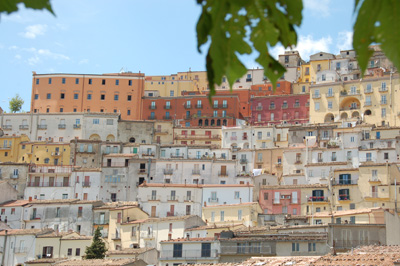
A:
(9, 6)
(377, 23)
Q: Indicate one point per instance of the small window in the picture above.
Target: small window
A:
(116, 96)
(76, 96)
(129, 98)
(102, 97)
(89, 96)
(103, 82)
(48, 96)
(117, 82)
(90, 83)
(77, 81)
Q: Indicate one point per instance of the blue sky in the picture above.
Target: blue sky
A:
(156, 37)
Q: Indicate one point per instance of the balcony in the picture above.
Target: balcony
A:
(243, 161)
(383, 102)
(170, 214)
(199, 137)
(77, 126)
(278, 165)
(366, 91)
(23, 127)
(367, 104)
(259, 108)
(142, 171)
(199, 106)
(116, 237)
(177, 156)
(12, 175)
(7, 147)
(152, 117)
(214, 200)
(329, 95)
(7, 127)
(198, 254)
(86, 184)
(298, 162)
(244, 137)
(55, 153)
(187, 106)
(344, 197)
(383, 89)
(145, 154)
(374, 180)
(161, 132)
(296, 105)
(318, 199)
(354, 92)
(48, 184)
(50, 169)
(62, 126)
(187, 198)
(42, 127)
(223, 173)
(167, 117)
(345, 182)
(168, 171)
(34, 217)
(284, 106)
(101, 221)
(316, 96)
(271, 107)
(167, 107)
(249, 79)
(172, 198)
(152, 107)
(233, 137)
(196, 172)
(153, 198)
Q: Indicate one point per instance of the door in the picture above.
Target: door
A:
(188, 209)
(66, 181)
(223, 170)
(87, 181)
(278, 137)
(208, 134)
(37, 181)
(171, 210)
(51, 181)
(102, 216)
(153, 211)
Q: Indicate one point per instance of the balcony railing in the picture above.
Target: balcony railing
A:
(151, 117)
(199, 106)
(374, 194)
(383, 89)
(12, 175)
(259, 108)
(6, 147)
(187, 106)
(316, 96)
(188, 254)
(42, 126)
(7, 127)
(168, 171)
(271, 107)
(142, 171)
(212, 199)
(167, 117)
(180, 155)
(86, 184)
(101, 221)
(318, 199)
(345, 182)
(296, 105)
(77, 126)
(327, 95)
(23, 127)
(243, 161)
(153, 107)
(344, 197)
(48, 184)
(369, 90)
(55, 153)
(145, 154)
(50, 169)
(196, 172)
(167, 107)
(62, 126)
(153, 198)
(172, 198)
(222, 173)
(233, 137)
(284, 106)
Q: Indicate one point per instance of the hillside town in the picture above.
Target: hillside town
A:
(301, 171)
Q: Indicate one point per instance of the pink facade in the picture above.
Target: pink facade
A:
(278, 201)
(278, 109)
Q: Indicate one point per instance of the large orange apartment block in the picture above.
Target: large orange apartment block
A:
(109, 93)
(283, 87)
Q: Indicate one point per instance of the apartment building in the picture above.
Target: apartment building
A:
(118, 93)
(15, 174)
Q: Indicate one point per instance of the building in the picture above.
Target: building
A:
(119, 93)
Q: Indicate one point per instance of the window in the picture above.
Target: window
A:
(222, 216)
(96, 121)
(330, 105)
(58, 212)
(316, 106)
(237, 194)
(129, 98)
(89, 96)
(76, 96)
(171, 93)
(295, 247)
(76, 81)
(80, 210)
(116, 96)
(383, 99)
(117, 82)
(48, 96)
(241, 248)
(69, 252)
(386, 156)
(36, 96)
(110, 122)
(78, 252)
(62, 96)
(37, 81)
(90, 81)
(177, 253)
(47, 252)
(102, 97)
(130, 82)
(312, 246)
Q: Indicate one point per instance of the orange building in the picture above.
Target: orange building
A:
(112, 93)
(193, 110)
(283, 87)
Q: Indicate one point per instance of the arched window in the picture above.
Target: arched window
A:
(224, 123)
(200, 122)
(212, 122)
(219, 122)
(206, 122)
(132, 140)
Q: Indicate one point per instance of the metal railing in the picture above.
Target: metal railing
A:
(243, 161)
(318, 199)
(62, 126)
(48, 184)
(222, 173)
(77, 126)
(196, 172)
(42, 126)
(23, 126)
(212, 199)
(101, 221)
(86, 184)
(168, 171)
(187, 254)
(345, 182)
(172, 198)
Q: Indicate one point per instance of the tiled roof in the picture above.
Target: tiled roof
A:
(215, 226)
(227, 205)
(43, 261)
(345, 212)
(195, 239)
(194, 185)
(295, 186)
(128, 251)
(26, 231)
(117, 204)
(15, 203)
(273, 261)
(325, 164)
(108, 262)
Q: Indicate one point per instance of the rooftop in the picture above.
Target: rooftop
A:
(97, 262)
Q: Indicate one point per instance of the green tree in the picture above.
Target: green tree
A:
(97, 250)
(16, 104)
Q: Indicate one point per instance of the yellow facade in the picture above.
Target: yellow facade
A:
(318, 66)
(120, 229)
(372, 100)
(245, 213)
(9, 147)
(305, 73)
(310, 206)
(163, 132)
(44, 153)
(359, 216)
(175, 84)
(197, 135)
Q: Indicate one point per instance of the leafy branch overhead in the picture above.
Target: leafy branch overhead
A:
(9, 6)
(234, 28)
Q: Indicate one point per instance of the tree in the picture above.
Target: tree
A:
(97, 250)
(232, 28)
(16, 104)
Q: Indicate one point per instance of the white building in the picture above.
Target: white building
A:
(227, 194)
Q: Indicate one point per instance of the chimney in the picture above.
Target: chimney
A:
(187, 237)
(169, 236)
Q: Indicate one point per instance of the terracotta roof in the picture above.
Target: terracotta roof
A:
(215, 226)
(298, 236)
(170, 218)
(42, 261)
(194, 185)
(325, 164)
(128, 251)
(15, 203)
(26, 231)
(227, 205)
(117, 204)
(108, 262)
(273, 261)
(295, 186)
(345, 212)
(195, 239)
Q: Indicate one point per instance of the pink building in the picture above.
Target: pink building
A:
(278, 109)
(280, 199)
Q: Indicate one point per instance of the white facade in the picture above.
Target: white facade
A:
(19, 246)
(227, 194)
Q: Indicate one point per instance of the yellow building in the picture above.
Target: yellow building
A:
(358, 216)
(244, 213)
(318, 62)
(372, 100)
(123, 226)
(9, 147)
(197, 135)
(163, 132)
(305, 76)
(315, 198)
(175, 84)
(45, 153)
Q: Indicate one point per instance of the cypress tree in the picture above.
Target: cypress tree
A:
(97, 250)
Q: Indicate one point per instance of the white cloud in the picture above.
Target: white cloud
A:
(48, 53)
(33, 60)
(307, 46)
(17, 56)
(320, 8)
(83, 61)
(31, 32)
(345, 40)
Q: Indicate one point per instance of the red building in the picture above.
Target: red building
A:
(280, 199)
(277, 109)
(194, 110)
(283, 87)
